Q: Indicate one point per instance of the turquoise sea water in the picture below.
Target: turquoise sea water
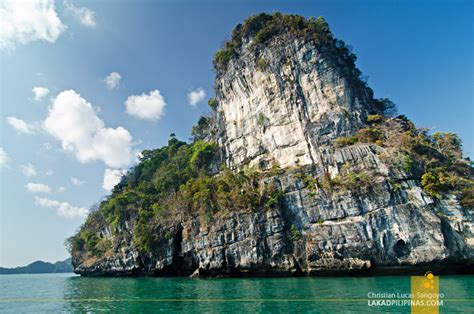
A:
(70, 293)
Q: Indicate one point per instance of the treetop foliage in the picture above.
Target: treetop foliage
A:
(261, 28)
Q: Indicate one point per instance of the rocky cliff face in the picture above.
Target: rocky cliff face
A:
(375, 228)
(365, 205)
(281, 106)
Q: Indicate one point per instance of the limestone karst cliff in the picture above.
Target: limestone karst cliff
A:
(297, 171)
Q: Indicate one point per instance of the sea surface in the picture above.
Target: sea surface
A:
(71, 293)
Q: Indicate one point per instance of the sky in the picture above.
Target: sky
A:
(86, 85)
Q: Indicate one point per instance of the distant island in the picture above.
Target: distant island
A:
(40, 267)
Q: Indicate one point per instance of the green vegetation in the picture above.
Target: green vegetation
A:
(262, 120)
(229, 191)
(345, 141)
(310, 183)
(89, 240)
(295, 233)
(449, 144)
(169, 183)
(201, 154)
(202, 129)
(385, 106)
(365, 135)
(438, 181)
(262, 28)
(407, 162)
(212, 103)
(262, 64)
(275, 170)
(224, 55)
(142, 237)
(368, 135)
(375, 118)
(436, 160)
(467, 195)
(345, 180)
(435, 183)
(396, 187)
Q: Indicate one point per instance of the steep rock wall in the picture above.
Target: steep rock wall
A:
(370, 229)
(282, 105)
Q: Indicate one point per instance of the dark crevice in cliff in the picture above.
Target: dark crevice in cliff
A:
(452, 239)
(401, 248)
(180, 265)
(303, 114)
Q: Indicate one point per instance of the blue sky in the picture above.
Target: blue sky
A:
(418, 53)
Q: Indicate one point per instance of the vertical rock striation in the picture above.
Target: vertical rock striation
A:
(286, 109)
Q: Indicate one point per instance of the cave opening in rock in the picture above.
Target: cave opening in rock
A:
(401, 248)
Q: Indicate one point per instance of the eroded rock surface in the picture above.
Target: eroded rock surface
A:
(337, 232)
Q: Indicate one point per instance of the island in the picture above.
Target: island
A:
(298, 170)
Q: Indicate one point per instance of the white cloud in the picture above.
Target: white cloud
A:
(84, 15)
(25, 21)
(74, 122)
(38, 188)
(112, 80)
(196, 96)
(40, 92)
(146, 107)
(61, 189)
(63, 209)
(3, 157)
(28, 170)
(76, 181)
(20, 125)
(111, 178)
(49, 172)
